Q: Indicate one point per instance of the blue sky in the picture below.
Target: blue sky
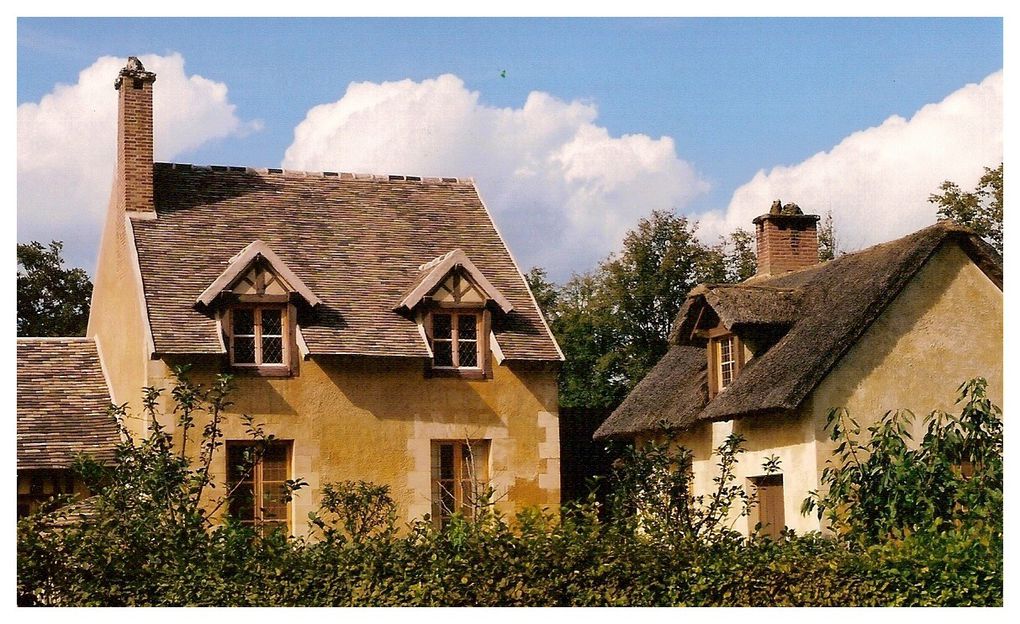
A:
(735, 97)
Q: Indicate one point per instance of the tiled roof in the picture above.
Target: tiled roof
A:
(356, 241)
(820, 312)
(62, 403)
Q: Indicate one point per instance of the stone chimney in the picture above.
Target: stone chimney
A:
(787, 239)
(134, 138)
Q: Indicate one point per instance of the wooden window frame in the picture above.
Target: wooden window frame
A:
(288, 336)
(716, 338)
(258, 521)
(483, 369)
(461, 500)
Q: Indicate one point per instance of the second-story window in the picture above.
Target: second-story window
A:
(257, 336)
(727, 360)
(455, 339)
(726, 356)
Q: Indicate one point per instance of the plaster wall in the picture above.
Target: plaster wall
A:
(117, 316)
(375, 420)
(788, 437)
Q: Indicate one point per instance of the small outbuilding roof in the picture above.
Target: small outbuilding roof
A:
(820, 312)
(62, 404)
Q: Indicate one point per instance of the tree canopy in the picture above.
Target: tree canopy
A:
(612, 323)
(52, 300)
(828, 245)
(980, 209)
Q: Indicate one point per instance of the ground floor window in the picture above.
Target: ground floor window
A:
(256, 481)
(770, 508)
(460, 473)
(35, 487)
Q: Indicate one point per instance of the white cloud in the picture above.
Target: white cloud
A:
(877, 181)
(561, 189)
(67, 146)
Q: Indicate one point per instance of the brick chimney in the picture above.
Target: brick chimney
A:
(134, 137)
(787, 239)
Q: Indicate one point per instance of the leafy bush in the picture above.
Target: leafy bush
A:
(878, 486)
(653, 489)
(145, 536)
(151, 542)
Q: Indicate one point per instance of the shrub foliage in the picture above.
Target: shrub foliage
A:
(150, 539)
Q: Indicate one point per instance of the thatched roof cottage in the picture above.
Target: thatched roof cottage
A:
(897, 325)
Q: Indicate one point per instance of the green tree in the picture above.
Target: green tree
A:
(879, 484)
(644, 286)
(612, 323)
(828, 244)
(742, 257)
(980, 209)
(545, 291)
(583, 325)
(52, 300)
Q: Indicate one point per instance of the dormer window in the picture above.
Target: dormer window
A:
(456, 325)
(454, 303)
(725, 359)
(254, 299)
(258, 321)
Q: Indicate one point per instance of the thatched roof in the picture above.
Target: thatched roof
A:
(823, 311)
(669, 397)
(739, 306)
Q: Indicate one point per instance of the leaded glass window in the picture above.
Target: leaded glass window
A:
(455, 339)
(244, 336)
(272, 335)
(467, 340)
(257, 336)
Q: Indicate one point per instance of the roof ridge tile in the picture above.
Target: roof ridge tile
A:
(55, 339)
(302, 173)
(437, 260)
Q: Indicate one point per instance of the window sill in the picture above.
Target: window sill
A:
(262, 371)
(457, 373)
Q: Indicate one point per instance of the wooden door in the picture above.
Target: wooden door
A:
(769, 511)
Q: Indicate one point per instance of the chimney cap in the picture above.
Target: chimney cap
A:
(790, 213)
(135, 71)
(786, 218)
